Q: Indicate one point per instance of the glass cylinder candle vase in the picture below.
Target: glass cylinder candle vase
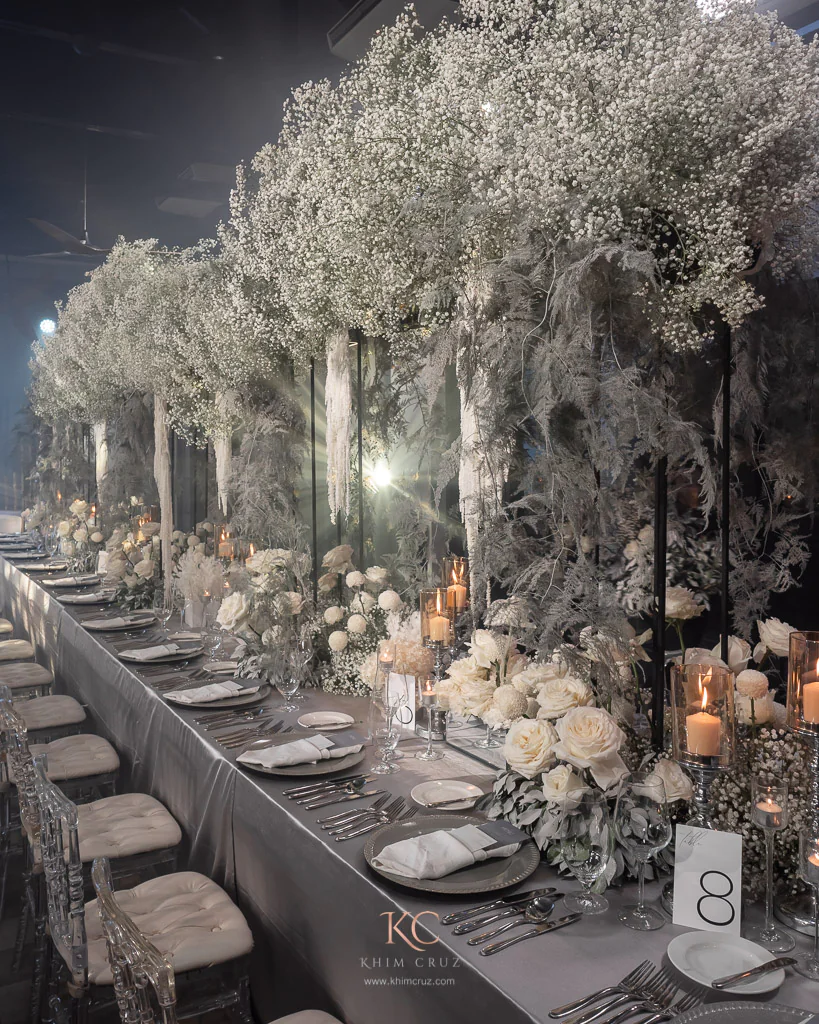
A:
(456, 581)
(226, 546)
(803, 682)
(436, 618)
(703, 718)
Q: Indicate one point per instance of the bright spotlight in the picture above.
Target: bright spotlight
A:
(47, 327)
(381, 476)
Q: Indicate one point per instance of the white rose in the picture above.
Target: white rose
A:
(79, 508)
(751, 683)
(389, 601)
(97, 537)
(145, 568)
(357, 624)
(739, 653)
(677, 784)
(773, 636)
(530, 679)
(267, 560)
(485, 648)
(333, 614)
(754, 711)
(590, 738)
(367, 601)
(234, 612)
(355, 579)
(339, 559)
(327, 582)
(561, 693)
(81, 535)
(193, 540)
(64, 528)
(376, 575)
(562, 786)
(338, 640)
(296, 602)
(702, 656)
(151, 529)
(529, 746)
(681, 603)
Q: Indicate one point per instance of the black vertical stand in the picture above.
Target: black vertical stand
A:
(360, 452)
(313, 477)
(725, 517)
(660, 538)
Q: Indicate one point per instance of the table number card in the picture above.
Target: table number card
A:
(707, 879)
(404, 686)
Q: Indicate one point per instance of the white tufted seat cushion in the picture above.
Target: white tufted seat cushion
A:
(307, 1017)
(75, 757)
(15, 650)
(19, 676)
(123, 826)
(50, 712)
(5, 627)
(189, 919)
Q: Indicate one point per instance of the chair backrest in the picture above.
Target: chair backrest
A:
(137, 965)
(16, 754)
(60, 851)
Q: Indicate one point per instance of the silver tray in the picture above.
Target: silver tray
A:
(486, 876)
(238, 701)
(746, 1013)
(166, 659)
(328, 767)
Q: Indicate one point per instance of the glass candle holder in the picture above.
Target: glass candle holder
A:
(436, 618)
(808, 964)
(803, 682)
(428, 703)
(769, 811)
(227, 546)
(456, 581)
(703, 728)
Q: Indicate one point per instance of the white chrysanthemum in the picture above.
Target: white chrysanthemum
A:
(751, 683)
(389, 601)
(357, 624)
(338, 640)
(333, 614)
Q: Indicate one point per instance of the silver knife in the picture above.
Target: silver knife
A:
(496, 947)
(754, 972)
(341, 798)
(504, 901)
(318, 787)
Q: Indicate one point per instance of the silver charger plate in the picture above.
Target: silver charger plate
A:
(747, 1013)
(75, 599)
(165, 659)
(239, 701)
(145, 620)
(486, 876)
(73, 584)
(328, 767)
(47, 568)
(22, 555)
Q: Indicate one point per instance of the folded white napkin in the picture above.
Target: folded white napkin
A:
(185, 636)
(211, 692)
(440, 853)
(93, 597)
(70, 581)
(119, 620)
(46, 565)
(304, 751)
(150, 653)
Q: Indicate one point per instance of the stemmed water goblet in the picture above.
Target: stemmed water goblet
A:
(769, 811)
(162, 606)
(586, 843)
(808, 963)
(643, 826)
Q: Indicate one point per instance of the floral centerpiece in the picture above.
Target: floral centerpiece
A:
(80, 540)
(131, 561)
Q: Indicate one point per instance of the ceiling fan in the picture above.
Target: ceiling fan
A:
(71, 245)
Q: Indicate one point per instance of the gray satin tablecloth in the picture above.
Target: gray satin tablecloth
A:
(317, 911)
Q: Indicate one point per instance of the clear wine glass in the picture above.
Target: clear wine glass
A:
(586, 843)
(769, 811)
(385, 703)
(162, 606)
(808, 963)
(643, 826)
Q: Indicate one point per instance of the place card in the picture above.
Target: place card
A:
(405, 716)
(345, 738)
(707, 879)
(503, 833)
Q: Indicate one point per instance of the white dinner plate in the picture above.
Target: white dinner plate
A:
(84, 599)
(705, 956)
(436, 792)
(328, 720)
(132, 621)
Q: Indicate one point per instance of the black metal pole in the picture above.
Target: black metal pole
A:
(313, 502)
(360, 453)
(725, 518)
(660, 537)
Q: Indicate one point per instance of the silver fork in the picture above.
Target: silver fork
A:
(649, 993)
(683, 1004)
(347, 819)
(627, 985)
(259, 733)
(225, 718)
(374, 825)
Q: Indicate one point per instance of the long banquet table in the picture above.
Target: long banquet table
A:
(318, 913)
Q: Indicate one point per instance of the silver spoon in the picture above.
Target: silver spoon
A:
(539, 907)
